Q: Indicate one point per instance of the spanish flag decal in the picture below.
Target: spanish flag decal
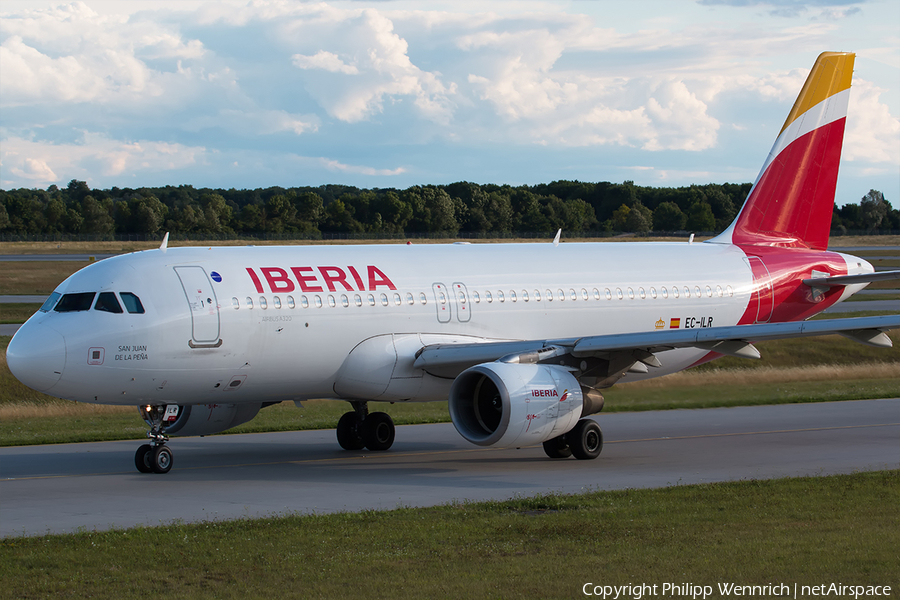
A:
(675, 323)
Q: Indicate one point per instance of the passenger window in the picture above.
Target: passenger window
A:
(687, 292)
(608, 294)
(276, 302)
(304, 301)
(525, 295)
(384, 300)
(249, 302)
(596, 294)
(422, 298)
(630, 294)
(512, 295)
(642, 293)
(584, 294)
(675, 291)
(572, 295)
(537, 295)
(107, 302)
(235, 304)
(262, 303)
(409, 299)
(371, 300)
(653, 293)
(133, 303)
(318, 301)
(708, 292)
(357, 300)
(730, 290)
(500, 296)
(75, 302)
(560, 295)
(290, 301)
(619, 293)
(397, 300)
(719, 292)
(476, 297)
(331, 301)
(488, 297)
(665, 292)
(697, 291)
(50, 302)
(549, 296)
(345, 301)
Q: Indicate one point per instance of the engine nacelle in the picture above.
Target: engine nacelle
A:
(206, 419)
(502, 404)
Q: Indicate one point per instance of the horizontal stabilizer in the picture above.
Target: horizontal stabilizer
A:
(840, 280)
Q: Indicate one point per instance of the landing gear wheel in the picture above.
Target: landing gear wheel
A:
(378, 431)
(348, 432)
(142, 458)
(558, 447)
(161, 460)
(585, 440)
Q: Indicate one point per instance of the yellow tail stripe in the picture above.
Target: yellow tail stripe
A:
(831, 74)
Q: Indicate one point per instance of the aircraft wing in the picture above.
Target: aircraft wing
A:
(448, 360)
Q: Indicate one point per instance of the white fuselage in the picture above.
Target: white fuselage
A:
(266, 324)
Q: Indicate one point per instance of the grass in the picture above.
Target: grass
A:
(17, 312)
(794, 370)
(35, 277)
(808, 531)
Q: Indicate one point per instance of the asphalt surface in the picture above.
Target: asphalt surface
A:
(65, 487)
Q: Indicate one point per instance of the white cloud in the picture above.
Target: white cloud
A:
(326, 61)
(872, 133)
(96, 155)
(334, 165)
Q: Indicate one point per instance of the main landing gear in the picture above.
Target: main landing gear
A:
(154, 457)
(585, 442)
(360, 429)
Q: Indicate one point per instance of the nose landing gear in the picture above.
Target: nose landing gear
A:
(156, 457)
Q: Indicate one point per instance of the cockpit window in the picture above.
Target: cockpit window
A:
(132, 303)
(107, 302)
(75, 302)
(50, 302)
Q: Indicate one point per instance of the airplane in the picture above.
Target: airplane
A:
(521, 339)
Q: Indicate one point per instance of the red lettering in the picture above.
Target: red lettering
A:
(259, 288)
(376, 278)
(303, 279)
(278, 279)
(357, 279)
(333, 275)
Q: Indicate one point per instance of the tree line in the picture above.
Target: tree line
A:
(457, 209)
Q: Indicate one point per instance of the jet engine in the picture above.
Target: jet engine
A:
(503, 404)
(199, 419)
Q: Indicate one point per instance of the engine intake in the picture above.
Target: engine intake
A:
(503, 404)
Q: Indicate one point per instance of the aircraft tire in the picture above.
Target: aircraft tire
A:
(557, 447)
(585, 440)
(142, 458)
(378, 431)
(348, 432)
(161, 460)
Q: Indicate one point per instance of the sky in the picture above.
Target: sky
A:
(134, 93)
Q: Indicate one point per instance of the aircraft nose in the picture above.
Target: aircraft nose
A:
(36, 356)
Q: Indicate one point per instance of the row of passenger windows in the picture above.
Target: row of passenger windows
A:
(106, 302)
(489, 297)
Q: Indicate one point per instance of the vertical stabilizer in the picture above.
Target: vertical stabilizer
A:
(791, 202)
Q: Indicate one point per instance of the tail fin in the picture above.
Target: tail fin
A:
(791, 202)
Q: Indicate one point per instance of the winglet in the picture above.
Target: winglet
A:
(556, 239)
(165, 243)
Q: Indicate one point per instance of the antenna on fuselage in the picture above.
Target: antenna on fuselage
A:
(556, 239)
(165, 243)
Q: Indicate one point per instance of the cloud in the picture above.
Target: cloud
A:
(326, 61)
(871, 132)
(95, 155)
